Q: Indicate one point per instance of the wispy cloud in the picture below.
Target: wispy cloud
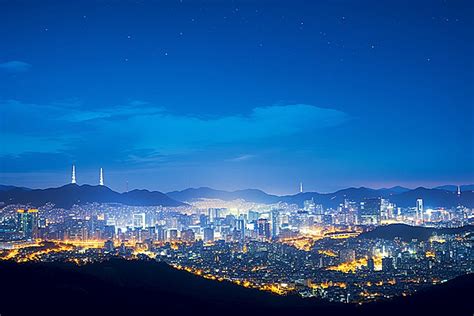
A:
(15, 66)
(242, 158)
(140, 133)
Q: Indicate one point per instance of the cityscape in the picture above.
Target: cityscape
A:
(311, 250)
(236, 157)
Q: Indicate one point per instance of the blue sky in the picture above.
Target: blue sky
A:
(237, 94)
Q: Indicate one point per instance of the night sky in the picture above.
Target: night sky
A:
(237, 94)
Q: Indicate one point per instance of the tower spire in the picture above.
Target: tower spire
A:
(73, 176)
(101, 177)
(301, 187)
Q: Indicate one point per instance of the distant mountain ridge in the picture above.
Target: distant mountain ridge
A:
(454, 188)
(70, 194)
(401, 196)
(251, 195)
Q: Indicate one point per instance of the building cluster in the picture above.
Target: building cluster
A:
(311, 250)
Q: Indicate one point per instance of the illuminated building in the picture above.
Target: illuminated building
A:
(76, 229)
(214, 213)
(264, 228)
(240, 227)
(370, 210)
(27, 223)
(253, 216)
(203, 220)
(160, 233)
(173, 234)
(139, 221)
(385, 209)
(309, 205)
(275, 223)
(419, 210)
(208, 234)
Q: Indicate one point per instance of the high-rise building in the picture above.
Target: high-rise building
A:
(27, 223)
(214, 213)
(369, 212)
(173, 234)
(253, 215)
(160, 233)
(264, 228)
(419, 210)
(240, 226)
(139, 221)
(309, 206)
(387, 264)
(208, 234)
(385, 211)
(275, 223)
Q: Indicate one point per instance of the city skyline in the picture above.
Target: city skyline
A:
(101, 182)
(169, 95)
(236, 157)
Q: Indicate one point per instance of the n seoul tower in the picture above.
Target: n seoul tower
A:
(101, 177)
(73, 176)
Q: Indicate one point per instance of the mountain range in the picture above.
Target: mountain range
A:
(71, 194)
(403, 197)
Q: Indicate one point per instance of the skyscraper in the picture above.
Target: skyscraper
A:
(264, 228)
(240, 226)
(214, 213)
(208, 234)
(27, 223)
(369, 212)
(139, 220)
(275, 223)
(419, 210)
